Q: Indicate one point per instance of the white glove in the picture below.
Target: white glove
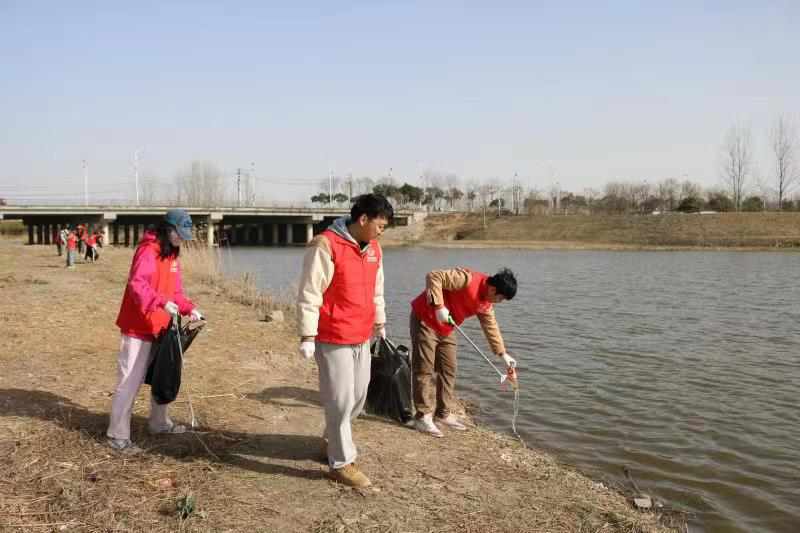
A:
(195, 315)
(306, 349)
(442, 314)
(379, 332)
(171, 308)
(508, 360)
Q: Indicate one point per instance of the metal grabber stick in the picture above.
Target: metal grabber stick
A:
(511, 376)
(176, 323)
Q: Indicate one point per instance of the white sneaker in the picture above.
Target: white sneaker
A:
(452, 422)
(426, 425)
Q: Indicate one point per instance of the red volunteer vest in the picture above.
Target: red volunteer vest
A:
(462, 304)
(347, 313)
(130, 318)
(71, 241)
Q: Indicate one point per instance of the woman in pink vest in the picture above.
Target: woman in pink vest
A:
(339, 308)
(458, 293)
(153, 295)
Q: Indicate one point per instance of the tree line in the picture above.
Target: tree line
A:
(743, 186)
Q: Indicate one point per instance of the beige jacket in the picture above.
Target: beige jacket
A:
(317, 275)
(454, 280)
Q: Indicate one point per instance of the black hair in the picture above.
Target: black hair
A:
(372, 205)
(504, 282)
(162, 233)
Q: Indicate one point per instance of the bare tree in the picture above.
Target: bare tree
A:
(783, 142)
(148, 190)
(364, 184)
(737, 162)
(592, 196)
(554, 192)
(668, 193)
(689, 189)
(199, 184)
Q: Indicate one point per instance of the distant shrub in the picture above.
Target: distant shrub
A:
(753, 204)
(720, 202)
(690, 204)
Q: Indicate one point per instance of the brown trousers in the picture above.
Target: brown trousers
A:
(432, 352)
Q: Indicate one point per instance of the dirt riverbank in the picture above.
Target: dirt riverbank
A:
(253, 465)
(670, 231)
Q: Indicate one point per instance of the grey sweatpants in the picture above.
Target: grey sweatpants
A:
(343, 381)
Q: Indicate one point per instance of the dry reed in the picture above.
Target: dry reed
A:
(205, 265)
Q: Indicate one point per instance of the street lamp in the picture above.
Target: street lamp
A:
(85, 183)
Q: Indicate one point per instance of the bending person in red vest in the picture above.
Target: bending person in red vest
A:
(153, 295)
(339, 308)
(458, 293)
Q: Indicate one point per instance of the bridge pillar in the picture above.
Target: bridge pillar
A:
(127, 234)
(210, 233)
(106, 233)
(289, 233)
(47, 229)
(38, 234)
(260, 234)
(136, 234)
(274, 234)
(30, 233)
(309, 232)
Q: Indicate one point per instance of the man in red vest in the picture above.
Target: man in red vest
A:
(339, 308)
(81, 239)
(458, 294)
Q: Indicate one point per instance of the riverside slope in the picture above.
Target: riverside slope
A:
(253, 465)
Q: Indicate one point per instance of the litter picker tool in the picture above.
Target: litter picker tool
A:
(509, 377)
(177, 326)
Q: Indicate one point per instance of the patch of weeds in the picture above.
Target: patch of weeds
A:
(593, 519)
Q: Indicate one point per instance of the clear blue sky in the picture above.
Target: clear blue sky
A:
(627, 90)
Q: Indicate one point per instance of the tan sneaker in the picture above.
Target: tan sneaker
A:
(349, 475)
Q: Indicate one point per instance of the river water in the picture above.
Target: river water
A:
(683, 365)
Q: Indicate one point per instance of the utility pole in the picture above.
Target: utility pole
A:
(483, 197)
(136, 174)
(85, 183)
(330, 181)
(239, 185)
(253, 184)
(514, 204)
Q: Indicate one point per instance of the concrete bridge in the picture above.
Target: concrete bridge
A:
(240, 225)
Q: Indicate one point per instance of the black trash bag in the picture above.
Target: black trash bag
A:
(389, 392)
(164, 373)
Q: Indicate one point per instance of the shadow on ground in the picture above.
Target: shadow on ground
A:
(242, 450)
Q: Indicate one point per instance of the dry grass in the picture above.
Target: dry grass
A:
(205, 265)
(759, 230)
(253, 463)
(13, 231)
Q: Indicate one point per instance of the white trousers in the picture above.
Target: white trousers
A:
(132, 362)
(343, 380)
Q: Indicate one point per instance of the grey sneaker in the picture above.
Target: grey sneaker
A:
(174, 429)
(123, 446)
